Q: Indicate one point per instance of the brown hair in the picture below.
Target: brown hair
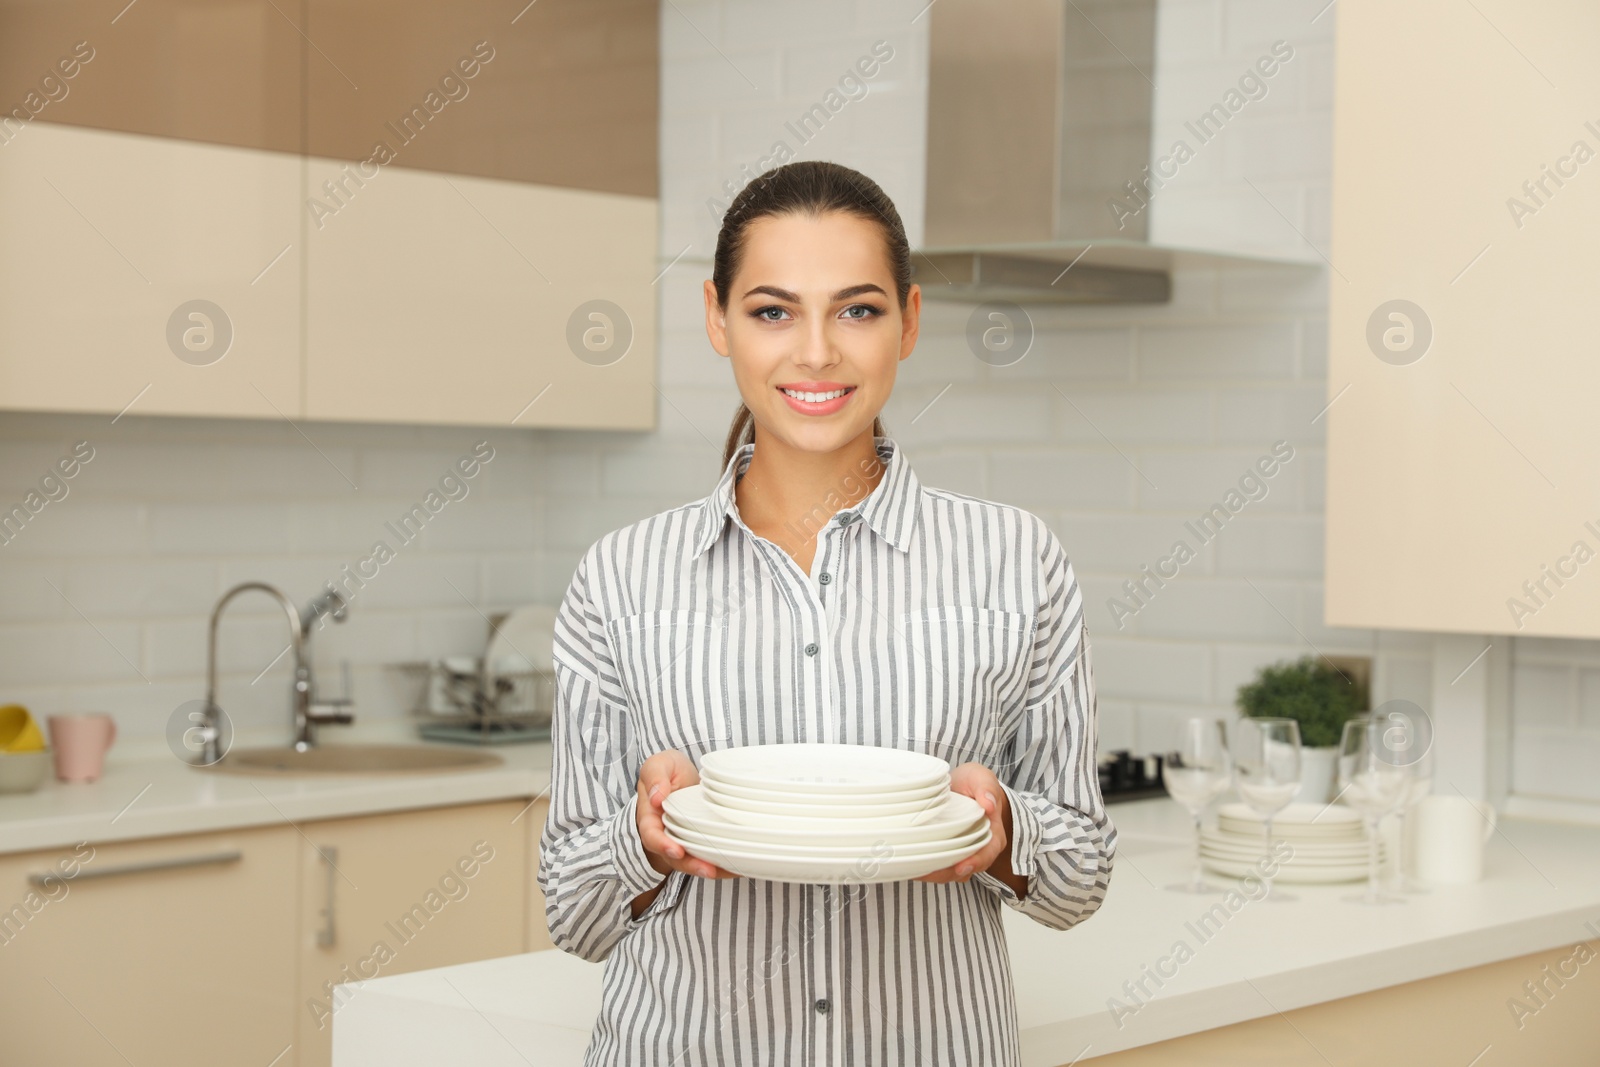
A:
(805, 188)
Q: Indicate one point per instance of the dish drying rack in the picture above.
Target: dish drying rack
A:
(457, 699)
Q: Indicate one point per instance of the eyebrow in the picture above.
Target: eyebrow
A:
(842, 294)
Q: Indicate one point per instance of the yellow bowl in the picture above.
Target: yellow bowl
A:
(19, 731)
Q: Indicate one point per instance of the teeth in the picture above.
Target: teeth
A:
(815, 398)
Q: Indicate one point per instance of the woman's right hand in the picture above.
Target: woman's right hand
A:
(659, 775)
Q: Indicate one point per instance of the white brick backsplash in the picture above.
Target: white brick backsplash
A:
(1555, 763)
(1238, 665)
(215, 528)
(49, 653)
(111, 589)
(1260, 350)
(1072, 356)
(1208, 609)
(1191, 482)
(1251, 414)
(1545, 696)
(1288, 546)
(1140, 670)
(1079, 478)
(1131, 416)
(1122, 543)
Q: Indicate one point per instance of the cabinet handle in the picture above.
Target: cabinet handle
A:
(329, 856)
(209, 859)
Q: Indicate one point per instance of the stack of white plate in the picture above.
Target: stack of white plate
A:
(1329, 843)
(829, 814)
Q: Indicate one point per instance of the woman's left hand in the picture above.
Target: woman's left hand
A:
(978, 782)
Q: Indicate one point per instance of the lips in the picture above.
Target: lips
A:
(816, 398)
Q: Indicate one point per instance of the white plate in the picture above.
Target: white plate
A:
(786, 796)
(526, 635)
(882, 865)
(1325, 818)
(1298, 861)
(833, 849)
(808, 767)
(741, 809)
(1289, 872)
(1239, 845)
(955, 814)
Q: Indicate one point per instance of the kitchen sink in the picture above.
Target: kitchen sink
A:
(355, 759)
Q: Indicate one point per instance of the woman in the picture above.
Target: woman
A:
(767, 613)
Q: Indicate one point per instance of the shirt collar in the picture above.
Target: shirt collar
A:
(890, 509)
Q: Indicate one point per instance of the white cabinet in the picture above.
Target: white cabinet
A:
(1461, 473)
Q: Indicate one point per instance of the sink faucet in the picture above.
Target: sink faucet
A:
(308, 711)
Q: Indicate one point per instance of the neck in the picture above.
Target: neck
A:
(788, 494)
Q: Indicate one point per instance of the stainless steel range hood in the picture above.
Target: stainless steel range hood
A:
(1039, 122)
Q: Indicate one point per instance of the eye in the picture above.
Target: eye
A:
(861, 312)
(770, 313)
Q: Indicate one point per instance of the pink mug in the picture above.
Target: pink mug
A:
(81, 742)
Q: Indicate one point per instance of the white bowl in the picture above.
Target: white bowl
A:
(823, 768)
(955, 814)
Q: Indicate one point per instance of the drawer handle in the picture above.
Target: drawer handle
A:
(330, 857)
(209, 859)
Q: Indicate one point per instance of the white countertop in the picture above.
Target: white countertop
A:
(158, 795)
(1542, 884)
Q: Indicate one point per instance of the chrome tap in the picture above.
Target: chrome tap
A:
(308, 711)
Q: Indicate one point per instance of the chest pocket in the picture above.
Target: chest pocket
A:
(672, 666)
(966, 667)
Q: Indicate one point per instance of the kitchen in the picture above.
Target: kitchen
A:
(1253, 266)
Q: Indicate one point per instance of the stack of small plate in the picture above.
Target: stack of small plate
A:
(1329, 843)
(828, 814)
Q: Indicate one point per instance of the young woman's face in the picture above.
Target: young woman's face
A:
(812, 310)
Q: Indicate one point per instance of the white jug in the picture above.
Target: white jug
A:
(1445, 839)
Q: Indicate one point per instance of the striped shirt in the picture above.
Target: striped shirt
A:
(938, 622)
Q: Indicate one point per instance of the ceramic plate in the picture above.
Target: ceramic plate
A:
(882, 865)
(1291, 873)
(823, 768)
(955, 814)
(834, 849)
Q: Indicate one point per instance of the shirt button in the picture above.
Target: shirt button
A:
(825, 578)
(811, 649)
(822, 1005)
(846, 518)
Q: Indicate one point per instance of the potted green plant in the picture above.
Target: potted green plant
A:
(1319, 697)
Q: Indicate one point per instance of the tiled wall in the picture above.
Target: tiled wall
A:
(1121, 425)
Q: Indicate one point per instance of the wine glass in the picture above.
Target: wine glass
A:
(1196, 771)
(1374, 783)
(1266, 766)
(1408, 738)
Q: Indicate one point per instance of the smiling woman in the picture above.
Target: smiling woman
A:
(869, 610)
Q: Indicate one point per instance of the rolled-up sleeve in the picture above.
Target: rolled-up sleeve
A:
(592, 863)
(1061, 837)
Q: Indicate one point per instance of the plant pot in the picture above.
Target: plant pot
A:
(1317, 773)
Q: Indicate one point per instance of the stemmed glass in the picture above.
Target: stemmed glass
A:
(1373, 783)
(1197, 771)
(1408, 738)
(1266, 765)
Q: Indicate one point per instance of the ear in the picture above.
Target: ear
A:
(911, 321)
(716, 320)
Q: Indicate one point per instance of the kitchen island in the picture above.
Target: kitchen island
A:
(1160, 977)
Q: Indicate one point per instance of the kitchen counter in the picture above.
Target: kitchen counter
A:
(155, 796)
(1542, 885)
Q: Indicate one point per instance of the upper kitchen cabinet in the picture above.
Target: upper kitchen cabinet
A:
(149, 212)
(1466, 204)
(341, 210)
(480, 219)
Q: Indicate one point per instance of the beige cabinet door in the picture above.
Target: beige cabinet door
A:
(148, 274)
(177, 951)
(386, 894)
(538, 934)
(437, 298)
